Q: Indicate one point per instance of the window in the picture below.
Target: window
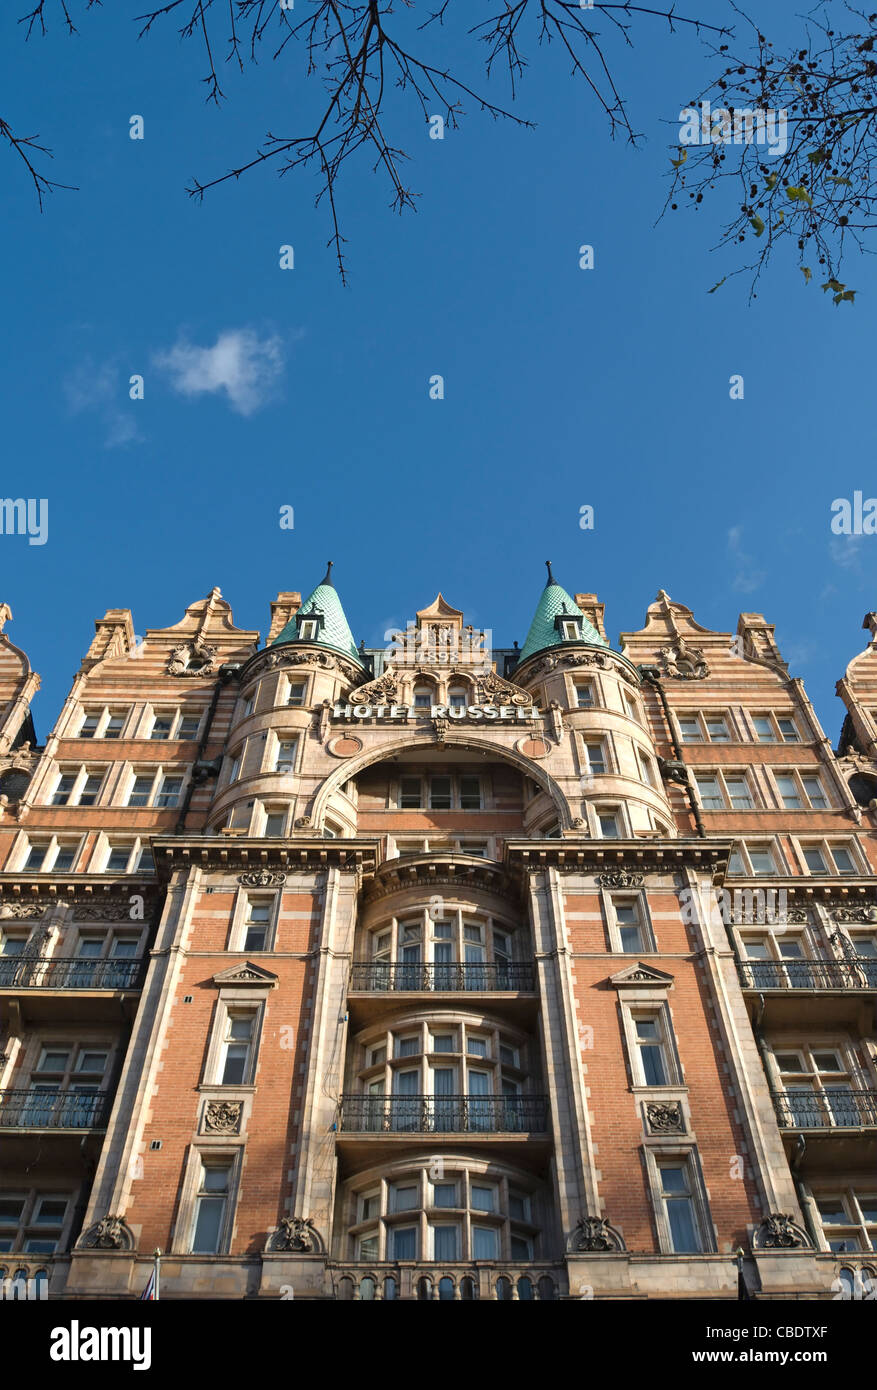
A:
(422, 697)
(46, 855)
(141, 790)
(296, 693)
(211, 1207)
(161, 728)
(710, 793)
(816, 1089)
(679, 1208)
(128, 857)
(256, 922)
(569, 630)
(237, 1049)
(646, 767)
(410, 794)
(748, 859)
(584, 693)
(596, 758)
(849, 1219)
(826, 858)
(168, 793)
(653, 1069)
(78, 788)
(234, 770)
(689, 728)
(771, 728)
(103, 723)
(457, 697)
(631, 706)
(628, 918)
(248, 707)
(188, 727)
(308, 630)
(470, 793)
(717, 728)
(440, 793)
(33, 1222)
(737, 790)
(285, 760)
(762, 861)
(275, 822)
(607, 820)
(171, 724)
(444, 1194)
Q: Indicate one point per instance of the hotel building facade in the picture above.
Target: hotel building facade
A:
(447, 971)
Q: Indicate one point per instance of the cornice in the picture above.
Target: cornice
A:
(247, 854)
(617, 857)
(460, 871)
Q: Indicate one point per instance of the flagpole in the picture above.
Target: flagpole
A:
(156, 1267)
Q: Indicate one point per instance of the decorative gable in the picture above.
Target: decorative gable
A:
(640, 974)
(246, 974)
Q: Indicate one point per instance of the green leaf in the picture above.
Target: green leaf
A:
(849, 295)
(799, 195)
(833, 179)
(757, 224)
(807, 273)
(833, 285)
(680, 161)
(817, 156)
(771, 182)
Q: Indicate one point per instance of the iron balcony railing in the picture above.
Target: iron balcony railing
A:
(378, 977)
(858, 973)
(53, 1109)
(831, 1108)
(21, 972)
(443, 1114)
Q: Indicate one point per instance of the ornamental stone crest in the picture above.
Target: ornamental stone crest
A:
(381, 691)
(683, 662)
(780, 1232)
(441, 729)
(852, 914)
(621, 878)
(665, 1117)
(22, 910)
(490, 685)
(223, 1116)
(194, 658)
(296, 1235)
(110, 1233)
(594, 1235)
(262, 878)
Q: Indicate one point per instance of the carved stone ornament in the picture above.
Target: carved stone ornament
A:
(621, 878)
(101, 913)
(853, 914)
(683, 662)
(382, 691)
(110, 1233)
(262, 878)
(490, 685)
(302, 822)
(223, 1116)
(441, 728)
(296, 1235)
(195, 658)
(287, 655)
(593, 1235)
(22, 910)
(665, 1117)
(780, 1232)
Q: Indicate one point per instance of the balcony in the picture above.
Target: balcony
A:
(377, 987)
(838, 1125)
(824, 992)
(22, 972)
(372, 1128)
(34, 990)
(53, 1110)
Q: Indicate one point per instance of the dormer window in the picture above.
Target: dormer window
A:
(569, 626)
(308, 630)
(570, 630)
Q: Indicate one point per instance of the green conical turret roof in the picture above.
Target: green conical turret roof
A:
(334, 631)
(554, 603)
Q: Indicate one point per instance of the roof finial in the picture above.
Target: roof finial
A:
(328, 579)
(551, 579)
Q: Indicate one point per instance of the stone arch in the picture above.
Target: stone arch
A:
(352, 767)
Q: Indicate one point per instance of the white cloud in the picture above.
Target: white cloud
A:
(747, 577)
(240, 363)
(101, 387)
(844, 551)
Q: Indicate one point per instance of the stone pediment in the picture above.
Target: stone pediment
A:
(246, 974)
(640, 974)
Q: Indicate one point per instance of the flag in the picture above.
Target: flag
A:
(149, 1292)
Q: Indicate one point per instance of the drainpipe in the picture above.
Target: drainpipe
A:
(651, 676)
(202, 770)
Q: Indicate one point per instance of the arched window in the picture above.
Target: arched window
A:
(446, 1288)
(504, 1289)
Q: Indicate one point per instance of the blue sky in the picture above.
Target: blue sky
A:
(563, 387)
